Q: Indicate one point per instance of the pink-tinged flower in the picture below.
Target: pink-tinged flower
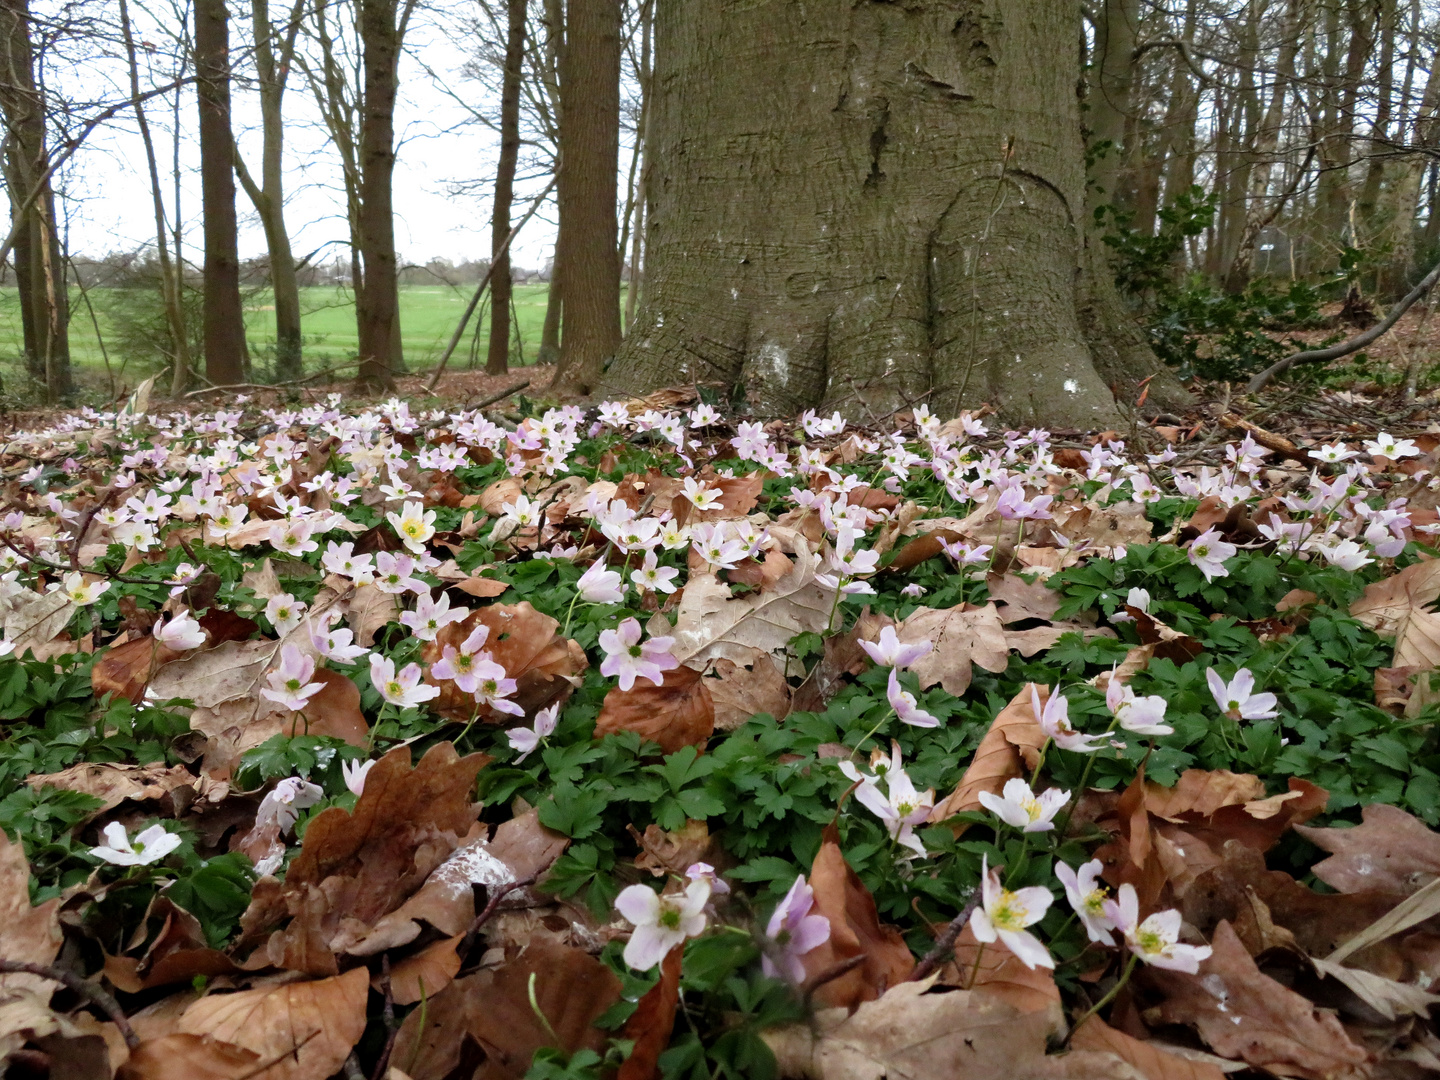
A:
(290, 684)
(905, 705)
(900, 808)
(1156, 940)
(964, 554)
(493, 688)
(704, 871)
(792, 932)
(394, 573)
(1054, 720)
(458, 665)
(1087, 896)
(283, 803)
(337, 645)
(1208, 552)
(1005, 915)
(293, 537)
(527, 739)
(1347, 555)
(432, 616)
(1012, 505)
(1237, 699)
(181, 633)
(627, 659)
(355, 773)
(890, 652)
(661, 922)
(284, 612)
(599, 585)
(701, 496)
(1142, 715)
(404, 688)
(341, 559)
(1018, 806)
(650, 575)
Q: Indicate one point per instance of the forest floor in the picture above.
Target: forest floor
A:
(364, 739)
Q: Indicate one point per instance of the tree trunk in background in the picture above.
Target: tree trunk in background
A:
(378, 304)
(268, 196)
(887, 201)
(554, 307)
(497, 361)
(39, 265)
(1116, 32)
(589, 161)
(224, 318)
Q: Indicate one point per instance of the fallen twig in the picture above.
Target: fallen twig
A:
(1268, 439)
(944, 944)
(86, 989)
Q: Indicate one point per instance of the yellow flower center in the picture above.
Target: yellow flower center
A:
(1009, 913)
(1094, 902)
(1151, 942)
(1032, 809)
(394, 689)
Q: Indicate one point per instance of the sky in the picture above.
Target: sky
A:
(109, 206)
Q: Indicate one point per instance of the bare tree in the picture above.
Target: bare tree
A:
(224, 317)
(498, 359)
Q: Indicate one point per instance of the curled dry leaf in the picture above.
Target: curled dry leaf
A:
(29, 934)
(740, 691)
(502, 491)
(1165, 642)
(1389, 998)
(545, 666)
(423, 975)
(653, 1020)
(962, 636)
(125, 670)
(368, 610)
(1398, 606)
(115, 784)
(1217, 805)
(1389, 850)
(1243, 1013)
(305, 1030)
(672, 853)
(855, 930)
(910, 1034)
(680, 712)
(711, 624)
(492, 1009)
(1009, 749)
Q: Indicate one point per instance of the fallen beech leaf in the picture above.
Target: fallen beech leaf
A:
(1018, 599)
(740, 691)
(32, 619)
(1389, 998)
(502, 491)
(1010, 747)
(1389, 850)
(1165, 642)
(29, 934)
(482, 587)
(114, 784)
(125, 670)
(307, 1028)
(1002, 975)
(1150, 1060)
(855, 930)
(1398, 607)
(653, 1020)
(368, 610)
(678, 713)
(962, 636)
(1202, 792)
(1121, 523)
(492, 1008)
(912, 1035)
(1296, 599)
(1243, 1013)
(191, 1057)
(710, 624)
(263, 581)
(424, 974)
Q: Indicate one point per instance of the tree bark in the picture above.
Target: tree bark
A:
(588, 260)
(1116, 32)
(223, 316)
(39, 265)
(497, 360)
(378, 304)
(876, 202)
(549, 352)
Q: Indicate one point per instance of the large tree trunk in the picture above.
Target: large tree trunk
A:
(497, 361)
(378, 304)
(589, 161)
(859, 205)
(39, 265)
(223, 316)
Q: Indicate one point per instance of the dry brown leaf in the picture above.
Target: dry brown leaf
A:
(1398, 607)
(502, 491)
(842, 656)
(307, 1028)
(855, 930)
(1389, 998)
(1202, 791)
(1150, 1060)
(29, 934)
(125, 670)
(678, 713)
(1390, 850)
(369, 610)
(482, 587)
(1164, 641)
(1121, 523)
(425, 974)
(910, 1034)
(263, 581)
(1018, 599)
(32, 619)
(1009, 748)
(962, 636)
(653, 1020)
(1243, 1013)
(740, 691)
(190, 1057)
(711, 624)
(1002, 975)
(114, 784)
(492, 1008)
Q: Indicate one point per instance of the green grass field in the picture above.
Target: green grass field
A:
(428, 315)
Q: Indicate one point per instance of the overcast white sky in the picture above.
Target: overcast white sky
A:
(110, 204)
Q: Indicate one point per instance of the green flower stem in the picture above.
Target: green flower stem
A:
(1124, 978)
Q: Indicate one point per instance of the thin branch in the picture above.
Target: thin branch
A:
(944, 944)
(85, 988)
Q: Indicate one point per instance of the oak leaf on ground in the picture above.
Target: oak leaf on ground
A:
(1398, 606)
(1001, 974)
(115, 784)
(963, 636)
(29, 934)
(740, 691)
(1390, 849)
(1151, 1061)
